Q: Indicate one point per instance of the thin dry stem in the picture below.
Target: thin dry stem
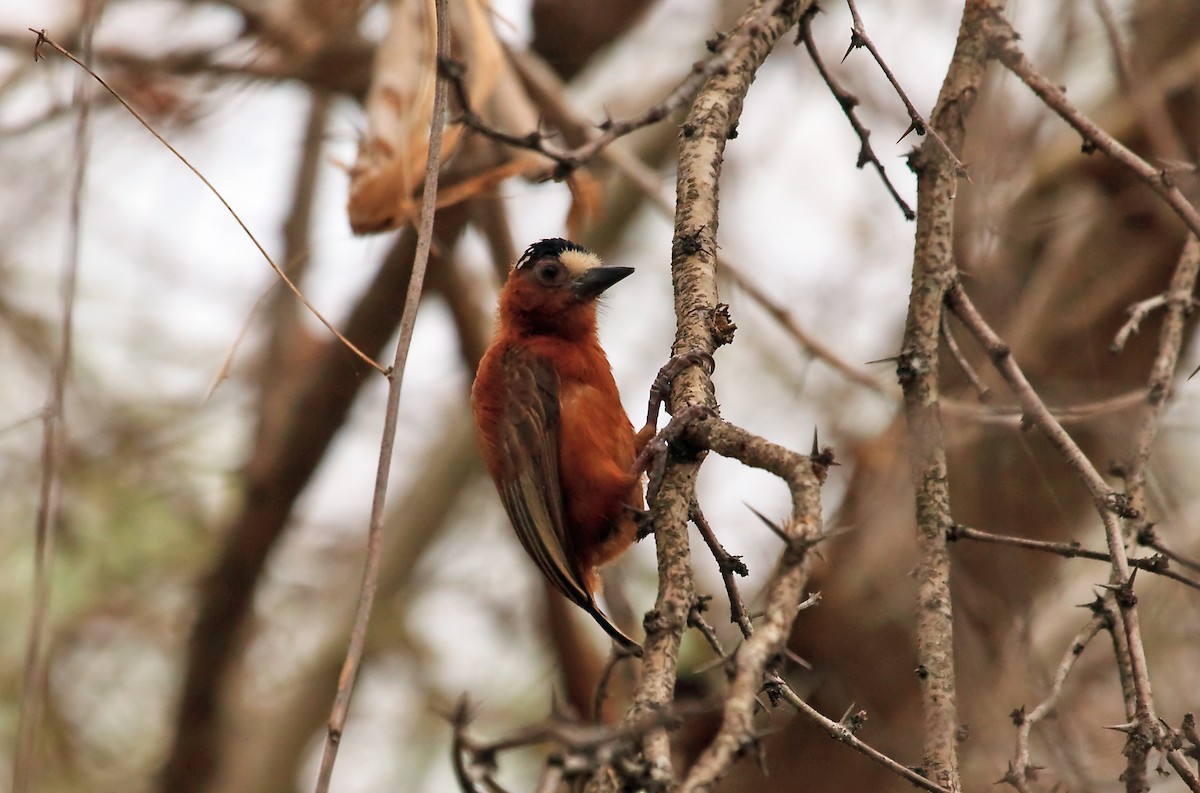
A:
(54, 431)
(569, 160)
(42, 38)
(981, 389)
(1137, 312)
(1179, 302)
(358, 636)
(729, 566)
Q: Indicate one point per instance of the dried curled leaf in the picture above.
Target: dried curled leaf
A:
(385, 181)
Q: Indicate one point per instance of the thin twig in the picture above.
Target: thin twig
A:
(1158, 390)
(730, 566)
(973, 377)
(696, 620)
(841, 732)
(1178, 300)
(1069, 550)
(358, 636)
(847, 102)
(42, 38)
(1137, 312)
(569, 160)
(1149, 537)
(1010, 416)
(859, 38)
(54, 434)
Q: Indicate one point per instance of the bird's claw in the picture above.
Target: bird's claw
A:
(644, 520)
(660, 389)
(653, 458)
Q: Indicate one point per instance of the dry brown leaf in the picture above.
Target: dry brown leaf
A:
(587, 196)
(385, 181)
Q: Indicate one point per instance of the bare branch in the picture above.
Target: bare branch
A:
(1179, 303)
(1148, 536)
(1108, 503)
(938, 170)
(701, 326)
(1137, 312)
(395, 374)
(973, 377)
(569, 160)
(729, 566)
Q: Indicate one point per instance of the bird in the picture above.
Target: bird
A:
(551, 428)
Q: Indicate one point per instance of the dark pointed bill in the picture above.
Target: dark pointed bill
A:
(597, 279)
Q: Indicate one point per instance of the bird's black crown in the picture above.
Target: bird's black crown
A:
(548, 248)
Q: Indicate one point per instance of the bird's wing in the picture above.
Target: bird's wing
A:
(531, 491)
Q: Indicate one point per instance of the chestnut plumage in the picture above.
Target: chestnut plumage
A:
(551, 427)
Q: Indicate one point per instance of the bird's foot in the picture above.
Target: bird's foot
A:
(660, 389)
(643, 519)
(653, 458)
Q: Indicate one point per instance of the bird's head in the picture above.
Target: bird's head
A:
(554, 285)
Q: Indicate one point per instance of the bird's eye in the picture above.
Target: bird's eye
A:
(549, 271)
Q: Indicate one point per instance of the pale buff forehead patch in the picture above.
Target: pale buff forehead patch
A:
(579, 262)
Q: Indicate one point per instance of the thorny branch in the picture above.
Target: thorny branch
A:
(1021, 770)
(784, 591)
(938, 170)
(1148, 536)
(729, 567)
(700, 327)
(1157, 564)
(844, 731)
(847, 102)
(1158, 390)
(1109, 504)
(1179, 302)
(578, 748)
(859, 38)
